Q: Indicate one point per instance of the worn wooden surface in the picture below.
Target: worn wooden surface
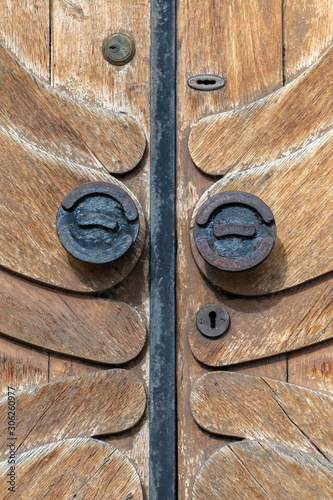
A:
(75, 468)
(25, 30)
(33, 185)
(94, 329)
(268, 326)
(241, 41)
(96, 404)
(245, 406)
(300, 199)
(55, 123)
(21, 366)
(267, 129)
(308, 32)
(258, 470)
(78, 68)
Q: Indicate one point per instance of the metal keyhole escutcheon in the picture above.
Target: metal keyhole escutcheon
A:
(118, 49)
(97, 222)
(213, 320)
(234, 231)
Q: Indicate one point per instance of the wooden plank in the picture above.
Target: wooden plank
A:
(253, 469)
(96, 404)
(33, 187)
(303, 228)
(56, 124)
(94, 329)
(233, 404)
(308, 32)
(25, 30)
(268, 129)
(79, 69)
(21, 366)
(241, 41)
(74, 468)
(313, 367)
(268, 326)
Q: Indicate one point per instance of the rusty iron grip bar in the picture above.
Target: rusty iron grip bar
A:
(163, 456)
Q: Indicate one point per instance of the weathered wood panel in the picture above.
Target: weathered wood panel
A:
(25, 30)
(21, 366)
(101, 403)
(75, 468)
(94, 329)
(308, 32)
(233, 404)
(259, 470)
(79, 69)
(268, 326)
(300, 199)
(268, 129)
(33, 185)
(56, 124)
(313, 367)
(241, 41)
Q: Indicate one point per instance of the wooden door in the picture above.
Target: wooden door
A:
(158, 137)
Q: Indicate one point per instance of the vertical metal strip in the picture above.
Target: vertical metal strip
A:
(163, 253)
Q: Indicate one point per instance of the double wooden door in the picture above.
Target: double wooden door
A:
(217, 97)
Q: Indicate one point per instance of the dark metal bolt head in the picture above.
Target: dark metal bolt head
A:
(234, 231)
(97, 222)
(213, 320)
(118, 49)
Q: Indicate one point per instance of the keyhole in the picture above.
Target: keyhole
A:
(207, 82)
(212, 317)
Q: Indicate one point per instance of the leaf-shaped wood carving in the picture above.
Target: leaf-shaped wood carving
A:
(54, 123)
(298, 189)
(275, 126)
(101, 403)
(33, 185)
(89, 328)
(257, 470)
(74, 468)
(244, 406)
(268, 326)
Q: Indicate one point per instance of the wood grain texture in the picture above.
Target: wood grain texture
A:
(75, 468)
(33, 185)
(66, 128)
(94, 329)
(233, 404)
(300, 199)
(79, 69)
(259, 470)
(268, 326)
(21, 366)
(268, 129)
(308, 32)
(25, 30)
(96, 404)
(313, 367)
(241, 41)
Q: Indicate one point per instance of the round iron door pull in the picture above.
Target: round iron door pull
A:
(97, 222)
(234, 231)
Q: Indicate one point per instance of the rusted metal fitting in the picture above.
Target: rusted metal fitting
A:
(97, 222)
(206, 82)
(234, 231)
(213, 320)
(118, 49)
